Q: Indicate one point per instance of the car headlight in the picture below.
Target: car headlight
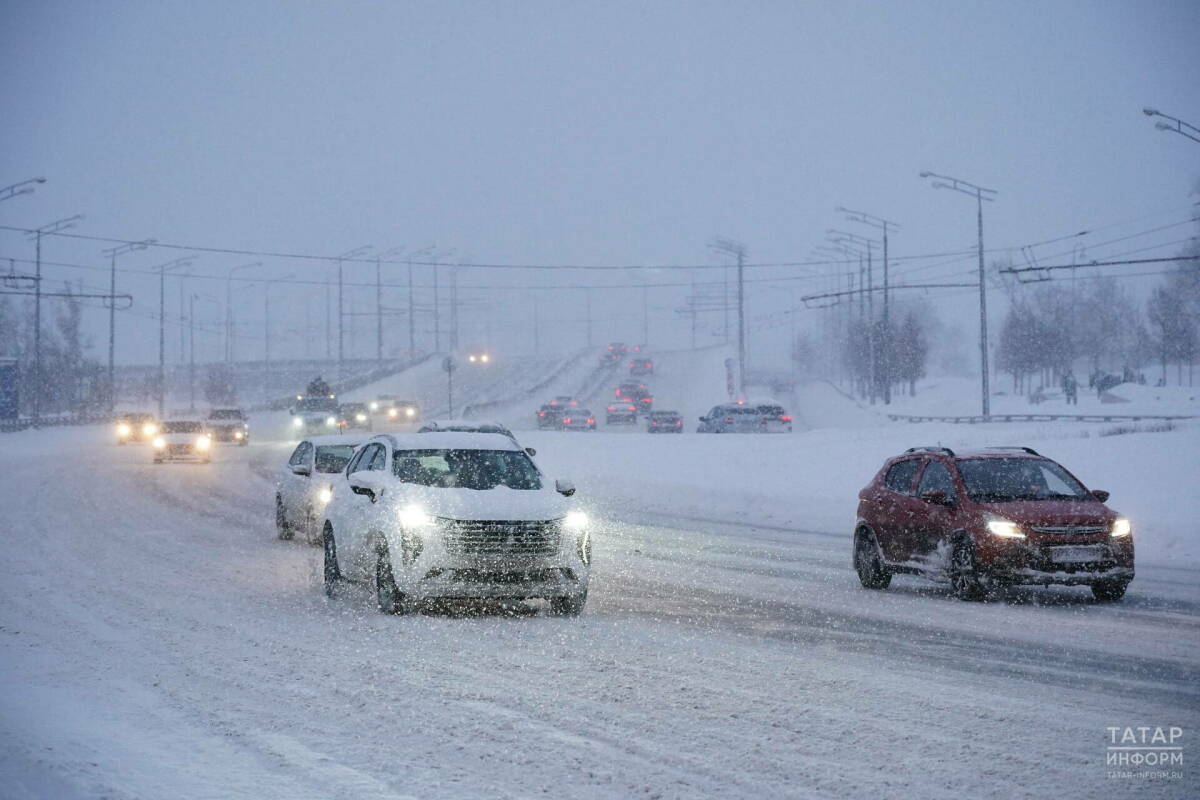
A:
(998, 526)
(203, 442)
(410, 412)
(414, 517)
(325, 495)
(360, 417)
(123, 430)
(392, 412)
(159, 443)
(374, 406)
(149, 429)
(575, 520)
(297, 422)
(238, 434)
(331, 421)
(1120, 527)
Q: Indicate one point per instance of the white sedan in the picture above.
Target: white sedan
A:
(304, 485)
(455, 515)
(182, 438)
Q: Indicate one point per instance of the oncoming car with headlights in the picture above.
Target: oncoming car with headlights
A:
(182, 438)
(354, 415)
(137, 427)
(455, 516)
(304, 485)
(986, 518)
(315, 414)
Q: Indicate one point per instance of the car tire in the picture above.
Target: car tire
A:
(868, 563)
(388, 596)
(331, 574)
(1109, 591)
(243, 442)
(965, 579)
(283, 528)
(569, 606)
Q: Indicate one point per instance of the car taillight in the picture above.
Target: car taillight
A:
(541, 413)
(567, 420)
(785, 418)
(591, 420)
(679, 422)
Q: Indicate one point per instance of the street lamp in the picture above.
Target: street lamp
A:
(163, 269)
(229, 325)
(980, 194)
(1178, 127)
(435, 256)
(379, 257)
(53, 227)
(192, 298)
(730, 247)
(112, 253)
(412, 316)
(267, 334)
(24, 187)
(355, 253)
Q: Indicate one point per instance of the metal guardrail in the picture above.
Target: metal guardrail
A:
(13, 425)
(978, 419)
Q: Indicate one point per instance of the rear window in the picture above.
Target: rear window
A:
(317, 404)
(664, 415)
(771, 411)
(182, 427)
(333, 458)
(900, 476)
(226, 413)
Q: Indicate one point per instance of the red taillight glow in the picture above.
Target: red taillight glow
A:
(785, 418)
(567, 420)
(541, 413)
(591, 421)
(679, 422)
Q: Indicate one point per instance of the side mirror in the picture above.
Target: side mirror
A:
(936, 497)
(292, 410)
(565, 488)
(704, 419)
(1100, 495)
(364, 482)
(531, 452)
(301, 469)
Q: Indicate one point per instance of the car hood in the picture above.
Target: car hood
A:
(500, 503)
(181, 438)
(1053, 512)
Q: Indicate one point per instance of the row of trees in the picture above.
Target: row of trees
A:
(900, 353)
(70, 382)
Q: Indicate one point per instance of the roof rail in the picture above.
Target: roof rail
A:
(931, 448)
(1022, 448)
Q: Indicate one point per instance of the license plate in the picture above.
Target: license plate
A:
(1078, 555)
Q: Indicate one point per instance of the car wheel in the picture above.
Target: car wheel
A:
(388, 596)
(283, 529)
(965, 578)
(570, 606)
(872, 573)
(1109, 591)
(331, 573)
(243, 442)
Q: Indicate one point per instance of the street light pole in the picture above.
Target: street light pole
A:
(379, 301)
(884, 225)
(355, 253)
(162, 330)
(739, 250)
(839, 241)
(267, 336)
(23, 187)
(980, 194)
(112, 253)
(53, 227)
(1178, 127)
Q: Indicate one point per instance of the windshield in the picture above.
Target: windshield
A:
(771, 411)
(467, 469)
(182, 427)
(316, 404)
(1000, 480)
(226, 413)
(333, 457)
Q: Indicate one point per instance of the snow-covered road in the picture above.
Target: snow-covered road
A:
(157, 640)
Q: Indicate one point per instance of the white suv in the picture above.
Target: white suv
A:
(304, 484)
(455, 515)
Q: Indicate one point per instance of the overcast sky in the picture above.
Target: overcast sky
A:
(581, 133)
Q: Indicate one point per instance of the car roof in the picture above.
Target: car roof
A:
(664, 413)
(447, 440)
(336, 439)
(462, 425)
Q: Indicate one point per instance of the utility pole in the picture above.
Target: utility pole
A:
(737, 249)
(267, 337)
(192, 352)
(112, 253)
(536, 335)
(454, 308)
(53, 227)
(229, 323)
(587, 297)
(162, 329)
(355, 253)
(980, 193)
(379, 299)
(645, 318)
(846, 242)
(885, 226)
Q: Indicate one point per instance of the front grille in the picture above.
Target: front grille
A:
(179, 448)
(1070, 530)
(502, 538)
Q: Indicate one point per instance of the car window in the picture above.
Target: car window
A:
(182, 427)
(297, 455)
(377, 458)
(466, 469)
(936, 478)
(353, 466)
(1000, 480)
(333, 458)
(900, 476)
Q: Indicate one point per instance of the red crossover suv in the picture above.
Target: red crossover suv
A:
(987, 518)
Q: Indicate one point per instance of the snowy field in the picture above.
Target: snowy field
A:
(157, 640)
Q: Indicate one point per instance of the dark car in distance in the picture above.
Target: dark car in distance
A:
(550, 416)
(664, 422)
(621, 412)
(988, 518)
(229, 425)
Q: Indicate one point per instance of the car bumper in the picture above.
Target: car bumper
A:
(228, 434)
(1036, 562)
(498, 579)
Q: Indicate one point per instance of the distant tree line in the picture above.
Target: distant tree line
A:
(70, 381)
